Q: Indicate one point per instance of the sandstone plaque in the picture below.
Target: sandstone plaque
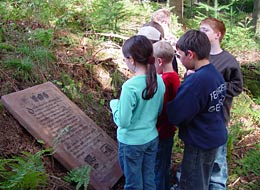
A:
(50, 116)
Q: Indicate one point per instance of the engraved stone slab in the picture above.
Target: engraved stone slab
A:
(50, 116)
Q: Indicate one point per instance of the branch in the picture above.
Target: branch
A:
(110, 35)
(231, 185)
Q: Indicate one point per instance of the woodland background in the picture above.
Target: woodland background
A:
(76, 44)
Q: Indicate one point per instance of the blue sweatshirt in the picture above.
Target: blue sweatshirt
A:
(197, 109)
(135, 117)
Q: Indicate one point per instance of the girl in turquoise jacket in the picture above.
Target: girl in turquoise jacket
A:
(136, 113)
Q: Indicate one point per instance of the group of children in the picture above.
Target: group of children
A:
(153, 102)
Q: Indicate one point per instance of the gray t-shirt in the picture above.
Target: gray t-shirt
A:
(228, 66)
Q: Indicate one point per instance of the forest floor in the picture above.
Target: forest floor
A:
(14, 138)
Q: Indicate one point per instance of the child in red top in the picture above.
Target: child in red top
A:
(164, 54)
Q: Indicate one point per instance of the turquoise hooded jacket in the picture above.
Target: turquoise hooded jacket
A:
(135, 117)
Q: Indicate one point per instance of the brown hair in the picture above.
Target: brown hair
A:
(196, 41)
(141, 50)
(216, 25)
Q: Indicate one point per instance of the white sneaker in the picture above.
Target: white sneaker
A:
(174, 187)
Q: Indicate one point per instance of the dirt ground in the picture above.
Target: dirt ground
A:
(14, 139)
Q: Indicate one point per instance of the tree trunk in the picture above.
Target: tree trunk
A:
(256, 18)
(178, 7)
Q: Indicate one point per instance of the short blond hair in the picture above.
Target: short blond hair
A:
(162, 16)
(163, 50)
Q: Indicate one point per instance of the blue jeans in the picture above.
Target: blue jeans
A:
(219, 174)
(163, 164)
(196, 168)
(137, 163)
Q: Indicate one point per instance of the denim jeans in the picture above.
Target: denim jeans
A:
(163, 163)
(137, 163)
(219, 174)
(196, 168)
(178, 175)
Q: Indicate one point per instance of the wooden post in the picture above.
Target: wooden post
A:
(178, 7)
(256, 18)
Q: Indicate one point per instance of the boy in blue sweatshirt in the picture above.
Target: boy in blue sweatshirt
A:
(197, 111)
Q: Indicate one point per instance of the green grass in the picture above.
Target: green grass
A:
(248, 165)
(250, 162)
(30, 54)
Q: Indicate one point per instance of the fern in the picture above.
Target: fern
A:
(80, 176)
(23, 172)
(107, 15)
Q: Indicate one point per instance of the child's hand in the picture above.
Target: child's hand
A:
(189, 72)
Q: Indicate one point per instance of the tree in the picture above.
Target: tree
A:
(178, 7)
(256, 18)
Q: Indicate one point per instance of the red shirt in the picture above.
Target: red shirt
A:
(172, 83)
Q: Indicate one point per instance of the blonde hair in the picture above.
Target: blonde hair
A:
(163, 50)
(162, 16)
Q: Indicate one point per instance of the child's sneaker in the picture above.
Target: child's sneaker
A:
(174, 187)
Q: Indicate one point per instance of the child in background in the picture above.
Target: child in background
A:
(228, 66)
(163, 17)
(136, 113)
(150, 32)
(197, 111)
(157, 26)
(164, 53)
